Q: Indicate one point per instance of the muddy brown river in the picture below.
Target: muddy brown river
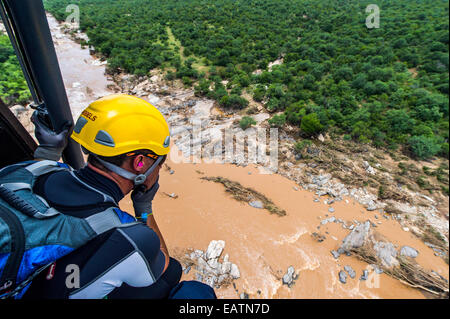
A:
(262, 245)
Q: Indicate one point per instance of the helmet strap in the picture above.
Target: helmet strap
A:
(137, 179)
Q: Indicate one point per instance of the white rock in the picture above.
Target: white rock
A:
(221, 278)
(409, 251)
(357, 237)
(235, 271)
(291, 270)
(371, 206)
(370, 170)
(287, 279)
(154, 78)
(210, 281)
(214, 263)
(387, 253)
(226, 267)
(215, 249)
(256, 204)
(201, 264)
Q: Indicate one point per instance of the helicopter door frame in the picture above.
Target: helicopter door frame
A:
(16, 143)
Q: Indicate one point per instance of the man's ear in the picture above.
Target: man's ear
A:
(138, 163)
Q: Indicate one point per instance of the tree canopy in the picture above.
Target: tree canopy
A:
(374, 85)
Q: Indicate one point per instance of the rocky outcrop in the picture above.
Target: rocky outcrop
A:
(210, 267)
(289, 277)
(369, 169)
(409, 252)
(387, 253)
(343, 277)
(357, 238)
(256, 204)
(23, 114)
(215, 249)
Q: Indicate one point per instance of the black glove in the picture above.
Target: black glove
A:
(51, 144)
(142, 201)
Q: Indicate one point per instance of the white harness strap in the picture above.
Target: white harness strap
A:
(44, 167)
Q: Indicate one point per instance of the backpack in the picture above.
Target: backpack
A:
(34, 235)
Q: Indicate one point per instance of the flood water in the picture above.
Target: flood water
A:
(262, 245)
(83, 75)
(265, 245)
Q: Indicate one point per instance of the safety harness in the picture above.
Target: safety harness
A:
(34, 235)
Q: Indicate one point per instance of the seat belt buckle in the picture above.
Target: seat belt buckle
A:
(51, 272)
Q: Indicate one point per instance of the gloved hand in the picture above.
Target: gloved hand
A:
(142, 201)
(51, 144)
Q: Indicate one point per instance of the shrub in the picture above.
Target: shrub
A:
(423, 183)
(233, 101)
(381, 192)
(444, 150)
(170, 76)
(423, 147)
(202, 88)
(186, 81)
(259, 93)
(403, 168)
(246, 122)
(300, 146)
(278, 120)
(310, 124)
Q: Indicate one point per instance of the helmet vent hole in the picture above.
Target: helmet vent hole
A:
(80, 124)
(104, 138)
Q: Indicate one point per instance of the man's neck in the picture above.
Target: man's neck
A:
(124, 184)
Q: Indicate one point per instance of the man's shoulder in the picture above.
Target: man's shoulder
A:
(62, 192)
(143, 237)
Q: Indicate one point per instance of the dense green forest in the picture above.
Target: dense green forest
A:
(387, 86)
(13, 87)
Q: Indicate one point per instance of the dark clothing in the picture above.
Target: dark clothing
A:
(126, 262)
(74, 193)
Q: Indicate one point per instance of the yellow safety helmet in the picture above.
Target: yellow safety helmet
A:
(120, 123)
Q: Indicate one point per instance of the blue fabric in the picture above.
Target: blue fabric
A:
(24, 290)
(37, 257)
(63, 165)
(3, 259)
(7, 169)
(124, 217)
(192, 290)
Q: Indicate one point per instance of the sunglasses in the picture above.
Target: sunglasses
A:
(152, 156)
